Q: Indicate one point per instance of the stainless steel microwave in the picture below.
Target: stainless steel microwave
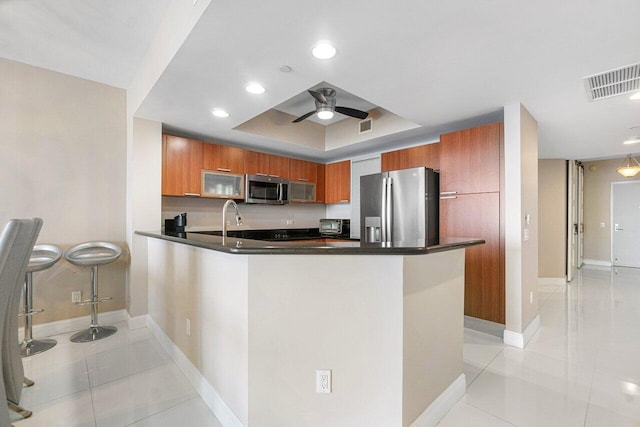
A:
(265, 189)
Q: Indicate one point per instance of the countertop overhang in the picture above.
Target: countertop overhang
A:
(234, 245)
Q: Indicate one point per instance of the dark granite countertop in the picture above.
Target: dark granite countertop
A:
(236, 245)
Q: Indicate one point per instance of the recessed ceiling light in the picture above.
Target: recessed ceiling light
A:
(286, 69)
(635, 96)
(323, 50)
(632, 140)
(256, 88)
(219, 112)
(325, 115)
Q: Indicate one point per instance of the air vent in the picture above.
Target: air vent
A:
(366, 126)
(612, 83)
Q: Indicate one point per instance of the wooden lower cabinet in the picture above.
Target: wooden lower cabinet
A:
(478, 215)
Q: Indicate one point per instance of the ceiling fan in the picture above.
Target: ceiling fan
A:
(325, 99)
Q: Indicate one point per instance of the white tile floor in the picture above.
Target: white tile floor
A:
(582, 368)
(125, 380)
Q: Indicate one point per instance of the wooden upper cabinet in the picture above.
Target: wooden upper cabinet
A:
(181, 166)
(338, 182)
(279, 166)
(470, 160)
(424, 155)
(320, 185)
(223, 158)
(256, 163)
(302, 170)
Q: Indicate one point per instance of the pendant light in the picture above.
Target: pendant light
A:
(629, 167)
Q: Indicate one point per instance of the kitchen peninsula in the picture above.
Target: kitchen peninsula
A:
(263, 317)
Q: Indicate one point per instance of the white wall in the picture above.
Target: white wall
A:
(521, 199)
(63, 141)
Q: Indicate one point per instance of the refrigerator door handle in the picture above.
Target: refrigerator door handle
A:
(383, 225)
(389, 208)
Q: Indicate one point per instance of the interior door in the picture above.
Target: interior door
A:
(625, 217)
(580, 196)
(572, 221)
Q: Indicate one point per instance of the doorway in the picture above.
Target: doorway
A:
(625, 220)
(575, 217)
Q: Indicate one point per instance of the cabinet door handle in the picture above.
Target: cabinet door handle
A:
(448, 192)
(344, 201)
(259, 174)
(275, 176)
(192, 194)
(224, 170)
(448, 197)
(303, 179)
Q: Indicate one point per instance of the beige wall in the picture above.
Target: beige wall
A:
(552, 206)
(254, 324)
(598, 177)
(206, 214)
(144, 204)
(63, 141)
(521, 200)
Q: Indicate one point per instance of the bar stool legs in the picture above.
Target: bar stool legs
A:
(30, 346)
(95, 331)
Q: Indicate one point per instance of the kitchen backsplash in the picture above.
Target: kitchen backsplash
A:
(206, 214)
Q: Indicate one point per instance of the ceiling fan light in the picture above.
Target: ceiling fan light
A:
(632, 140)
(323, 50)
(629, 167)
(325, 115)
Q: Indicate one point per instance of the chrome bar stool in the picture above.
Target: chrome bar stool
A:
(93, 254)
(42, 258)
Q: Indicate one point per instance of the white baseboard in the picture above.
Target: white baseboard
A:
(484, 326)
(210, 396)
(74, 324)
(520, 340)
(552, 281)
(599, 262)
(442, 404)
(137, 322)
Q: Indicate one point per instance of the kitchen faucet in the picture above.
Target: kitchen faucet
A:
(224, 218)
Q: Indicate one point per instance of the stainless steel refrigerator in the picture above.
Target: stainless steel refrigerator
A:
(400, 207)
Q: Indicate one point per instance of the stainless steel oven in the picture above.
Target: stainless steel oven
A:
(264, 189)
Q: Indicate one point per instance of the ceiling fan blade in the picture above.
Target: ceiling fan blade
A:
(304, 116)
(318, 96)
(352, 112)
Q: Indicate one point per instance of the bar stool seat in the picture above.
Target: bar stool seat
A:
(42, 258)
(93, 254)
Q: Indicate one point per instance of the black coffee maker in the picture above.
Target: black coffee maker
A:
(177, 224)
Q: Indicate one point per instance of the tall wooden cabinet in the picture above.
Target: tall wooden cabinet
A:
(181, 166)
(470, 206)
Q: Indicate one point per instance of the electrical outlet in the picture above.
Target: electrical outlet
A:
(76, 296)
(188, 327)
(526, 234)
(531, 297)
(323, 381)
(289, 221)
